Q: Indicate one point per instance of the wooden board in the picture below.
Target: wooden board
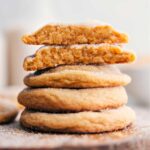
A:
(137, 137)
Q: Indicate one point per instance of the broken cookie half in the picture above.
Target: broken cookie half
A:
(61, 34)
(52, 56)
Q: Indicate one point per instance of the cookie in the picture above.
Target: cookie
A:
(64, 100)
(8, 111)
(52, 56)
(78, 76)
(81, 122)
(61, 34)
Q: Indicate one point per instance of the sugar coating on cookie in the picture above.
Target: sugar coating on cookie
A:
(78, 76)
(61, 34)
(81, 122)
(8, 111)
(62, 100)
(52, 56)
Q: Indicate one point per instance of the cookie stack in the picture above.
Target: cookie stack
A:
(75, 88)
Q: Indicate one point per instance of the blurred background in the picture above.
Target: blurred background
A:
(18, 17)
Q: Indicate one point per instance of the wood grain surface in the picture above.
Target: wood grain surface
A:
(135, 137)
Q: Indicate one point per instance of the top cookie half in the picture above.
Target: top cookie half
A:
(57, 34)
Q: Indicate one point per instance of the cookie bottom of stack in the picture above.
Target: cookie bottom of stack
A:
(79, 122)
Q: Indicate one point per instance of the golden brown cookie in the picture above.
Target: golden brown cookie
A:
(78, 76)
(81, 122)
(57, 34)
(52, 56)
(8, 111)
(62, 100)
